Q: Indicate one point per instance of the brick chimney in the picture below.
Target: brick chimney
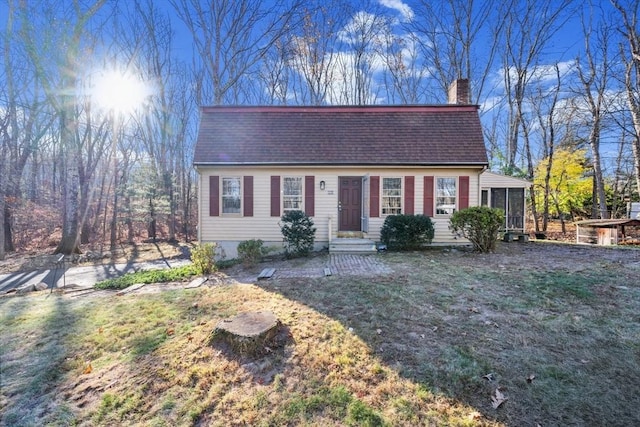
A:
(459, 92)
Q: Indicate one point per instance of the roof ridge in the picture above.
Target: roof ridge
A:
(341, 108)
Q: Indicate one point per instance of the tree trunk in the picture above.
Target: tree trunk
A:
(250, 333)
(2, 201)
(113, 235)
(632, 76)
(8, 245)
(70, 220)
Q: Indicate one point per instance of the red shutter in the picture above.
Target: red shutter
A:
(309, 195)
(248, 196)
(214, 195)
(374, 197)
(409, 184)
(275, 196)
(428, 196)
(463, 199)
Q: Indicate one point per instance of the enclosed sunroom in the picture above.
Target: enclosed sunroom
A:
(506, 193)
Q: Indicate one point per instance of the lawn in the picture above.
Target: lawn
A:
(534, 334)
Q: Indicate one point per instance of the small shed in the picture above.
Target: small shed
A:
(625, 231)
(507, 193)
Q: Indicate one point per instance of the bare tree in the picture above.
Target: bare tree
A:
(545, 107)
(362, 35)
(168, 112)
(62, 97)
(231, 37)
(25, 122)
(593, 72)
(631, 57)
(451, 32)
(406, 73)
(529, 26)
(92, 135)
(3, 168)
(312, 53)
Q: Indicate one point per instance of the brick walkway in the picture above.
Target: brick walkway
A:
(340, 265)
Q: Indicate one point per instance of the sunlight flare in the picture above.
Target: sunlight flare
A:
(120, 92)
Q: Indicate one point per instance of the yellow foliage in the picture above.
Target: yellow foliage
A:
(569, 188)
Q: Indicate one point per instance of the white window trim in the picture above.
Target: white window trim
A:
(231, 214)
(302, 195)
(435, 198)
(382, 178)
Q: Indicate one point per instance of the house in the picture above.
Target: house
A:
(347, 167)
(509, 194)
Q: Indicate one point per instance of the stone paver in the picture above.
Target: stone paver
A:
(358, 265)
(340, 265)
(80, 280)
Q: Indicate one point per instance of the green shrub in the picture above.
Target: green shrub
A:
(251, 251)
(480, 225)
(203, 258)
(406, 232)
(149, 276)
(298, 233)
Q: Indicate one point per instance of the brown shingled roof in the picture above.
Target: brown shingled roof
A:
(372, 135)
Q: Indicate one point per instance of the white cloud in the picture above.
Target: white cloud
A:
(404, 9)
(544, 74)
(363, 27)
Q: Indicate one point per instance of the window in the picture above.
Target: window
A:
(445, 196)
(230, 195)
(515, 218)
(292, 193)
(391, 196)
(484, 198)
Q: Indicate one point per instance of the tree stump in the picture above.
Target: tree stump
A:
(250, 333)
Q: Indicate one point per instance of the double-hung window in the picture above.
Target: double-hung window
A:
(446, 194)
(231, 195)
(391, 196)
(292, 193)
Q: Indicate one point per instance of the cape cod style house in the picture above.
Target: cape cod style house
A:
(346, 167)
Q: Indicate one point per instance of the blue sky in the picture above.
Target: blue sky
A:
(564, 47)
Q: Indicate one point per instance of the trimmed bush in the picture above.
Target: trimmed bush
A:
(480, 225)
(406, 232)
(251, 252)
(202, 257)
(298, 233)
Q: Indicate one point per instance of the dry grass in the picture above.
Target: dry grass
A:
(428, 345)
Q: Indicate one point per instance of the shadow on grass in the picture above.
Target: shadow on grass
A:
(462, 328)
(36, 362)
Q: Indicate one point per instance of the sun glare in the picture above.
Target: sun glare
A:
(119, 92)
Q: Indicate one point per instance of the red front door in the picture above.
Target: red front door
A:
(350, 203)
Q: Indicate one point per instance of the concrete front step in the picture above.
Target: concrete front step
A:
(352, 246)
(350, 235)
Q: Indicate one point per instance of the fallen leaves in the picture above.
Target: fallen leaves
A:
(489, 377)
(498, 398)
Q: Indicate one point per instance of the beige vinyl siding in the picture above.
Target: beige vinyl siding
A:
(494, 180)
(229, 230)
